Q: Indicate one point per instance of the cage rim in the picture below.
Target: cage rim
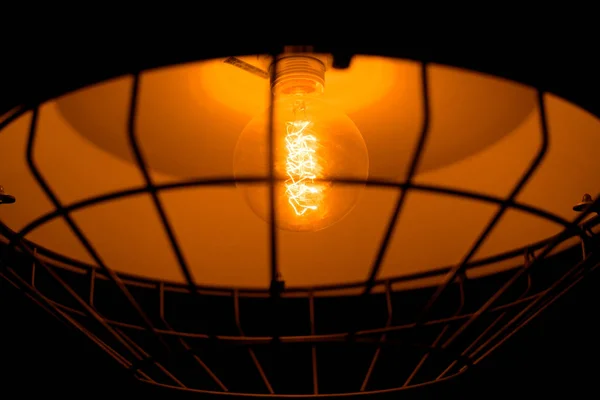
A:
(61, 261)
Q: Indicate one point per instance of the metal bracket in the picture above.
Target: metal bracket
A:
(277, 286)
(585, 202)
(6, 198)
(341, 60)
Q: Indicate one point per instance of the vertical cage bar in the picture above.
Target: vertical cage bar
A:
(490, 326)
(315, 378)
(33, 271)
(183, 342)
(92, 286)
(414, 164)
(440, 336)
(161, 300)
(541, 153)
(143, 167)
(388, 323)
(236, 310)
(275, 285)
(79, 233)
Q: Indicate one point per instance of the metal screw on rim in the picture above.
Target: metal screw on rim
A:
(6, 198)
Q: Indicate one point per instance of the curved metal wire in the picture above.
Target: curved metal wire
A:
(190, 183)
(304, 396)
(151, 188)
(414, 163)
(513, 279)
(492, 325)
(460, 268)
(14, 236)
(264, 340)
(78, 232)
(138, 360)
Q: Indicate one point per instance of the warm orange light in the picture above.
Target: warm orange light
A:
(302, 165)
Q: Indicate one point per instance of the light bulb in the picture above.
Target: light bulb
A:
(313, 143)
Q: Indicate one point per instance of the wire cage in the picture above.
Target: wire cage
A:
(291, 341)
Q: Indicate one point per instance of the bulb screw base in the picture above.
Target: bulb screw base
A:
(298, 74)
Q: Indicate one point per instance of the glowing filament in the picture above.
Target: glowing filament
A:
(301, 168)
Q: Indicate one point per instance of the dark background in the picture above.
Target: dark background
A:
(556, 354)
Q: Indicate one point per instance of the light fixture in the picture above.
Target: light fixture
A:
(136, 233)
(314, 144)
